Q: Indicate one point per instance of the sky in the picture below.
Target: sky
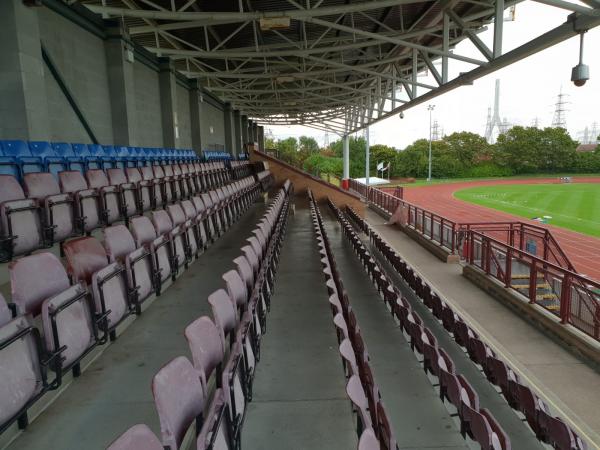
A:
(528, 88)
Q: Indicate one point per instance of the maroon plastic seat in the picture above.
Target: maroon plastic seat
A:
(87, 262)
(175, 235)
(348, 358)
(155, 186)
(480, 429)
(120, 247)
(166, 191)
(57, 208)
(558, 434)
(128, 192)
(138, 437)
(206, 347)
(357, 396)
(20, 223)
(110, 205)
(194, 226)
(22, 380)
(144, 235)
(368, 440)
(86, 201)
(179, 400)
(502, 376)
(182, 232)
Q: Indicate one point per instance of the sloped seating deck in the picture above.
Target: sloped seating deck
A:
(418, 416)
(299, 399)
(114, 392)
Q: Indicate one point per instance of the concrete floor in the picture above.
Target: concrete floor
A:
(418, 417)
(299, 399)
(114, 392)
(570, 387)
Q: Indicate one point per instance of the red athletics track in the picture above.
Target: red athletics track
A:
(582, 250)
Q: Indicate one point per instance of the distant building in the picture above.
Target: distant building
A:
(586, 148)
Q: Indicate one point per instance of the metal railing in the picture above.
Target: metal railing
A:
(435, 227)
(570, 296)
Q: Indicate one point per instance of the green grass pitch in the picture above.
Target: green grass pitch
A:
(574, 206)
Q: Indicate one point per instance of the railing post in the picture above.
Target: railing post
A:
(423, 221)
(565, 300)
(508, 268)
(488, 256)
(533, 282)
(453, 238)
(442, 231)
(471, 247)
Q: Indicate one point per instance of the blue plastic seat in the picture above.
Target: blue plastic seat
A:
(105, 159)
(52, 162)
(10, 163)
(64, 151)
(83, 151)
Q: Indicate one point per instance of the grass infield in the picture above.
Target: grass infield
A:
(574, 206)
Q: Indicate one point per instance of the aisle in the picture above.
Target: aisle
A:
(299, 399)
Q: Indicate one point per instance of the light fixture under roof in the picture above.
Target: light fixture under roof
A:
(274, 23)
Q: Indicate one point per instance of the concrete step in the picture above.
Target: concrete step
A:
(526, 286)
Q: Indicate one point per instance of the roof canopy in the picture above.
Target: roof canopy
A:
(337, 65)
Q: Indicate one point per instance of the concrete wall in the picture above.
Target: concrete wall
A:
(147, 105)
(83, 68)
(212, 125)
(183, 117)
(92, 60)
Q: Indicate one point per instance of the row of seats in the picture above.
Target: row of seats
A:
(478, 423)
(20, 157)
(547, 428)
(202, 403)
(46, 210)
(59, 315)
(211, 155)
(372, 423)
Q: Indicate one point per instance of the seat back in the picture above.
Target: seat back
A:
(204, 340)
(133, 175)
(236, 289)
(118, 242)
(142, 230)
(162, 222)
(245, 271)
(20, 369)
(40, 185)
(357, 396)
(72, 181)
(69, 313)
(35, 278)
(138, 437)
(84, 256)
(178, 398)
(224, 315)
(10, 189)
(116, 177)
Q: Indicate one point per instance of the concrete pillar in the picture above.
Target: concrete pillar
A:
(367, 156)
(261, 138)
(196, 115)
(23, 105)
(255, 132)
(244, 131)
(121, 85)
(251, 137)
(237, 122)
(346, 157)
(229, 130)
(168, 103)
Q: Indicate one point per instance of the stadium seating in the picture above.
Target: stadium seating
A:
(87, 188)
(209, 395)
(480, 424)
(57, 315)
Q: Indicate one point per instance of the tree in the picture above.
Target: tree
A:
(270, 144)
(382, 153)
(308, 144)
(468, 148)
(357, 147)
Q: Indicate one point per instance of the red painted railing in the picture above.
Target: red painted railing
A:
(437, 228)
(572, 297)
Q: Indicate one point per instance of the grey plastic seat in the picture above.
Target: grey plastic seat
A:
(57, 208)
(206, 347)
(357, 396)
(128, 192)
(175, 235)
(194, 226)
(368, 440)
(20, 224)
(181, 231)
(179, 400)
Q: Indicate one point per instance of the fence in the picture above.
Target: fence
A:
(574, 298)
(437, 228)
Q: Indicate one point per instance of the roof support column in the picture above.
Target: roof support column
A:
(24, 105)
(244, 120)
(367, 155)
(255, 132)
(346, 161)
(251, 131)
(229, 130)
(195, 115)
(168, 103)
(261, 138)
(237, 125)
